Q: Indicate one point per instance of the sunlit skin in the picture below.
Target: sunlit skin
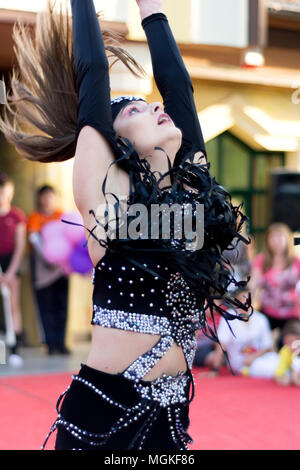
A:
(138, 120)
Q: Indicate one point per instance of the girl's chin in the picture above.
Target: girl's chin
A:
(171, 135)
(170, 141)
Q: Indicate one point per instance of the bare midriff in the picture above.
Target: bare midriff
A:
(113, 350)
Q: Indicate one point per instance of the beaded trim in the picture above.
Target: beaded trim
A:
(189, 349)
(166, 390)
(136, 322)
(99, 392)
(139, 368)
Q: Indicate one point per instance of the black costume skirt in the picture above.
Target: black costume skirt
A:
(101, 411)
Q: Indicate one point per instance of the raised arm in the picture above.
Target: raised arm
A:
(92, 70)
(95, 134)
(171, 76)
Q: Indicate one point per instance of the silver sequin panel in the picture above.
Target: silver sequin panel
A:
(166, 390)
(136, 322)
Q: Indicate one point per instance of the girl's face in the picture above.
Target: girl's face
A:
(292, 340)
(47, 201)
(147, 126)
(277, 242)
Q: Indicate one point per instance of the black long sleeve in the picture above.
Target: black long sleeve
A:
(92, 70)
(173, 82)
(92, 76)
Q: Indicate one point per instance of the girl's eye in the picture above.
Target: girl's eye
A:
(133, 110)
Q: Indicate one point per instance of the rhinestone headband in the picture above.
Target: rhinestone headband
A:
(126, 98)
(118, 103)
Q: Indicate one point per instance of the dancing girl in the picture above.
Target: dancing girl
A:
(150, 295)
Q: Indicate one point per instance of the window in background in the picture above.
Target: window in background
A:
(245, 173)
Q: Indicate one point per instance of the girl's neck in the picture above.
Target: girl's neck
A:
(47, 211)
(159, 165)
(279, 260)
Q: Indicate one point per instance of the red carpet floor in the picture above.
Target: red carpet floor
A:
(228, 413)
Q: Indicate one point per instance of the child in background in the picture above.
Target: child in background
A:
(50, 284)
(205, 352)
(275, 276)
(250, 349)
(12, 247)
(288, 369)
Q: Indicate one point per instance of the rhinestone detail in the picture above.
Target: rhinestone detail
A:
(128, 321)
(139, 368)
(166, 390)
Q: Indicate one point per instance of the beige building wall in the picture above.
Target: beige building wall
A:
(178, 13)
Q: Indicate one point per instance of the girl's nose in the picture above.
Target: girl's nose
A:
(156, 107)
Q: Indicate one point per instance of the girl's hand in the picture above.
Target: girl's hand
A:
(8, 278)
(149, 7)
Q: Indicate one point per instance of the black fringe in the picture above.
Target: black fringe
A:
(206, 271)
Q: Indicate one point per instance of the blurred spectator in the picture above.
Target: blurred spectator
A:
(275, 274)
(205, 352)
(288, 369)
(241, 255)
(12, 245)
(240, 259)
(50, 283)
(250, 349)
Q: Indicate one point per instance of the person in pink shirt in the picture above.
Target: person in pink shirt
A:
(12, 247)
(275, 275)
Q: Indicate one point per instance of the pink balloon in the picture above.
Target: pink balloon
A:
(52, 230)
(57, 250)
(74, 233)
(66, 267)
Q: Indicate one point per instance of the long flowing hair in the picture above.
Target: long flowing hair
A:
(40, 116)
